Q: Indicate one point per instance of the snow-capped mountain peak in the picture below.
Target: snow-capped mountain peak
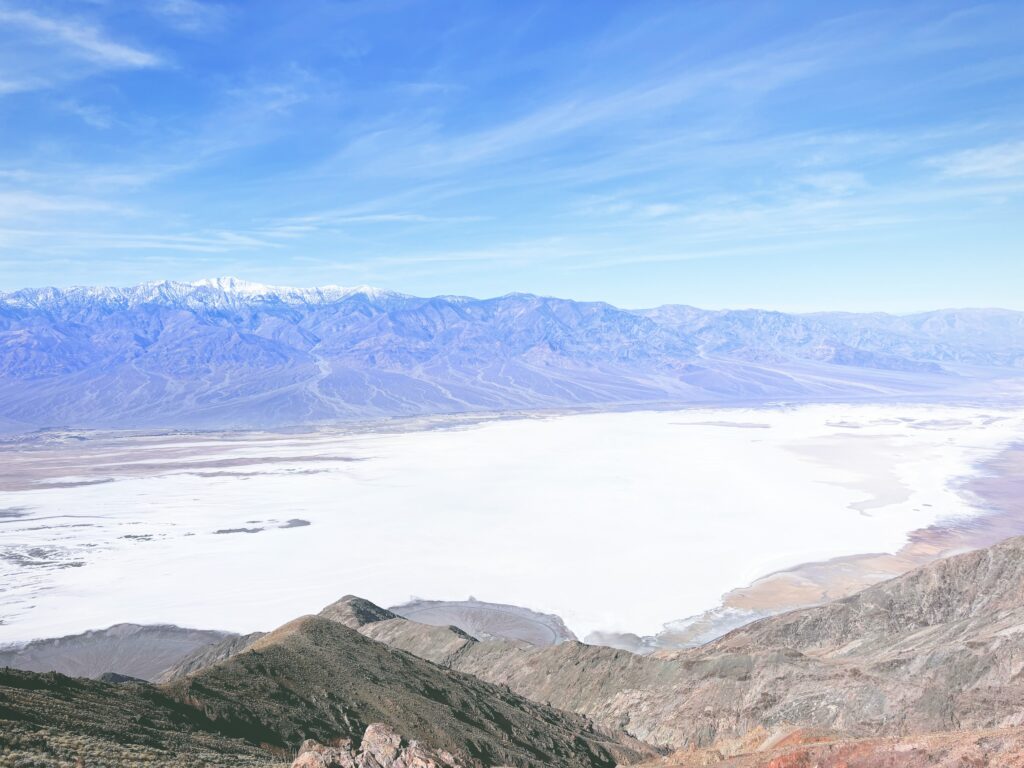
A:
(207, 292)
(237, 286)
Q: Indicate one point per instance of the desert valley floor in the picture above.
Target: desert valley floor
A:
(617, 522)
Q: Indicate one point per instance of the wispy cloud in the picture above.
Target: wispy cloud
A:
(997, 161)
(835, 183)
(40, 52)
(21, 84)
(299, 225)
(506, 254)
(91, 115)
(20, 205)
(189, 15)
(75, 240)
(85, 40)
(421, 146)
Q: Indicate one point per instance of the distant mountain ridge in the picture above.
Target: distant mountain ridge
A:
(229, 353)
(921, 341)
(133, 650)
(218, 292)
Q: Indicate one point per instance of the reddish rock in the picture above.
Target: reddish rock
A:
(381, 747)
(995, 748)
(380, 744)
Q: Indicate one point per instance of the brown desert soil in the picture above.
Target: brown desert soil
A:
(999, 490)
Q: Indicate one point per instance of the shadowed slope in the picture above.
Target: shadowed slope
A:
(49, 719)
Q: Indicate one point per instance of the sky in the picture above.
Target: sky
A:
(790, 155)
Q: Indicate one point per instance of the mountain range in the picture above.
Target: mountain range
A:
(921, 670)
(228, 353)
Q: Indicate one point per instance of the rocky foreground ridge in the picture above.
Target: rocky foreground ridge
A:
(313, 678)
(925, 669)
(941, 648)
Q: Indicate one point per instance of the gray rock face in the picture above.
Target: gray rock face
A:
(225, 353)
(132, 650)
(960, 594)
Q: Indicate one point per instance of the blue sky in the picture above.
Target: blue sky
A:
(793, 155)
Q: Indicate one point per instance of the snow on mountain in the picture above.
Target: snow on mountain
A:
(217, 292)
(226, 352)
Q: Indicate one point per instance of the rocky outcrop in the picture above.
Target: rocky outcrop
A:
(381, 747)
